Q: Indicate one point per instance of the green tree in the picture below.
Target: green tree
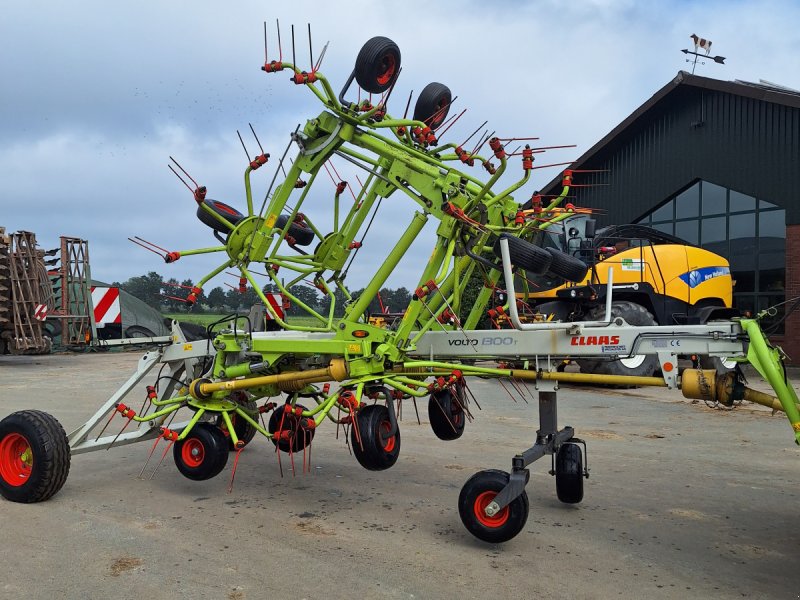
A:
(216, 298)
(146, 288)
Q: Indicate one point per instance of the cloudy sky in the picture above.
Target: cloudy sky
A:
(95, 96)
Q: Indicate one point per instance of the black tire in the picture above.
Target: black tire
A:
(377, 65)
(377, 453)
(223, 210)
(203, 453)
(477, 493)
(303, 236)
(643, 365)
(244, 430)
(446, 414)
(525, 255)
(298, 438)
(569, 473)
(566, 266)
(34, 456)
(138, 331)
(720, 365)
(433, 104)
(52, 328)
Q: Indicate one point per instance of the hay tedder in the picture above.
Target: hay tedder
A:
(353, 373)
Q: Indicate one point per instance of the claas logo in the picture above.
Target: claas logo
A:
(595, 340)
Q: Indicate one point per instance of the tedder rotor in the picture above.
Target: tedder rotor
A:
(332, 368)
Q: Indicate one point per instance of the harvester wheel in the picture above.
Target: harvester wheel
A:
(34, 456)
(244, 430)
(567, 266)
(372, 449)
(377, 65)
(433, 104)
(303, 236)
(569, 473)
(138, 331)
(203, 453)
(524, 254)
(228, 213)
(478, 492)
(446, 414)
(298, 438)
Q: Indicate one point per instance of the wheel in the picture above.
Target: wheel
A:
(228, 213)
(720, 365)
(203, 453)
(446, 414)
(377, 65)
(137, 331)
(34, 456)
(244, 430)
(524, 254)
(567, 266)
(639, 365)
(289, 422)
(303, 236)
(569, 473)
(377, 453)
(478, 492)
(433, 104)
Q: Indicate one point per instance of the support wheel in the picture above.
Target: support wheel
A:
(377, 65)
(34, 456)
(225, 211)
(378, 452)
(433, 104)
(301, 235)
(479, 491)
(203, 453)
(569, 473)
(288, 434)
(524, 254)
(245, 432)
(446, 413)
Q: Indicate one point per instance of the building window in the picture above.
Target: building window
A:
(749, 232)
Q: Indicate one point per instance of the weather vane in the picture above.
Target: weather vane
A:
(701, 44)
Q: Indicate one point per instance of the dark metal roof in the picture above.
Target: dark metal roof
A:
(763, 91)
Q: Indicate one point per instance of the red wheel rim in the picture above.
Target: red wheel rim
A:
(16, 459)
(479, 508)
(193, 453)
(388, 445)
(388, 66)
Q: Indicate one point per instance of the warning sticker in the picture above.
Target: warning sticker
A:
(632, 264)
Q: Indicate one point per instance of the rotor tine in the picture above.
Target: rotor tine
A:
(149, 456)
(153, 474)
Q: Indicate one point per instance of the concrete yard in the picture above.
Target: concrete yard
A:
(683, 501)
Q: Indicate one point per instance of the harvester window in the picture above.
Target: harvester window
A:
(687, 203)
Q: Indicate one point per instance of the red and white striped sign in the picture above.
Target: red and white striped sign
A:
(276, 302)
(106, 305)
(40, 312)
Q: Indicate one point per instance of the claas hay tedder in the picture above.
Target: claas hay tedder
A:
(350, 372)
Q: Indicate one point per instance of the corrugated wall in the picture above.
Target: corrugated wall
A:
(745, 144)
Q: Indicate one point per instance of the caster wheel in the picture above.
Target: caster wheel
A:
(34, 456)
(377, 65)
(433, 105)
(203, 453)
(569, 473)
(378, 452)
(293, 437)
(446, 413)
(479, 491)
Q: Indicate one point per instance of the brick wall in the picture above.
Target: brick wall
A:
(791, 339)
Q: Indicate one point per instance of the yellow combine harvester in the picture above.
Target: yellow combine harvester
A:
(658, 279)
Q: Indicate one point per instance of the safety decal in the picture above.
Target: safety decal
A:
(697, 276)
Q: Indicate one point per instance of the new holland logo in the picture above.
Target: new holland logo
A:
(697, 276)
(595, 340)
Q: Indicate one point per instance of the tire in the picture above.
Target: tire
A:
(137, 331)
(525, 255)
(202, 454)
(642, 365)
(303, 236)
(377, 454)
(226, 212)
(566, 266)
(477, 493)
(34, 456)
(720, 365)
(52, 328)
(446, 414)
(433, 104)
(569, 473)
(377, 65)
(244, 430)
(298, 439)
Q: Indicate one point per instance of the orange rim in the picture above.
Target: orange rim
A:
(388, 66)
(479, 508)
(16, 459)
(388, 445)
(193, 453)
